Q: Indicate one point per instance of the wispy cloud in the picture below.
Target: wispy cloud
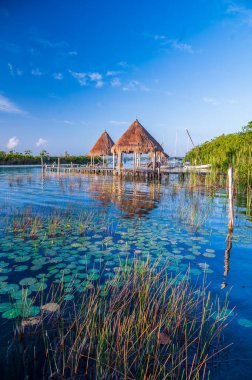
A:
(112, 73)
(243, 12)
(211, 101)
(123, 64)
(36, 72)
(174, 43)
(118, 122)
(68, 122)
(51, 44)
(97, 78)
(135, 85)
(41, 142)
(81, 77)
(72, 52)
(58, 76)
(7, 106)
(14, 71)
(11, 69)
(12, 143)
(85, 78)
(115, 82)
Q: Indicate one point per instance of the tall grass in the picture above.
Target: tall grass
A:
(143, 324)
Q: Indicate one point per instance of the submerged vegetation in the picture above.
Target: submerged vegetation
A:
(232, 149)
(142, 324)
(112, 293)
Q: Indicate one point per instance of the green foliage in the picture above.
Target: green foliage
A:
(26, 158)
(233, 149)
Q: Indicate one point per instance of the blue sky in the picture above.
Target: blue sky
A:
(70, 69)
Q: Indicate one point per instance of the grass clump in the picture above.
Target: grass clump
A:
(143, 324)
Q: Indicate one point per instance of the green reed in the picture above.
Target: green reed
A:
(143, 324)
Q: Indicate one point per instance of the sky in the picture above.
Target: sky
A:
(71, 69)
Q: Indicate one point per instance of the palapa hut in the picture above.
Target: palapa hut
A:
(102, 147)
(136, 140)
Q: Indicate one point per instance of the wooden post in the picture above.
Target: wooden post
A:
(113, 161)
(42, 163)
(103, 160)
(230, 199)
(154, 160)
(58, 164)
(140, 160)
(119, 162)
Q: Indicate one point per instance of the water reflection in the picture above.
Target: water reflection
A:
(131, 197)
(227, 259)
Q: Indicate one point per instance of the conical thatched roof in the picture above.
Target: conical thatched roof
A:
(136, 139)
(102, 146)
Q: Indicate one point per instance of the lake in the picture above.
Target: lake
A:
(186, 228)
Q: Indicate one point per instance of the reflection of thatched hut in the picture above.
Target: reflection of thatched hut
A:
(102, 147)
(138, 201)
(136, 140)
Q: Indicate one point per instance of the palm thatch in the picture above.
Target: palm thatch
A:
(136, 140)
(102, 146)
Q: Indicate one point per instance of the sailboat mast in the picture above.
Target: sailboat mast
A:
(190, 137)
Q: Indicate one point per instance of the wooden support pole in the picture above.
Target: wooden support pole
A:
(58, 164)
(230, 199)
(113, 161)
(154, 160)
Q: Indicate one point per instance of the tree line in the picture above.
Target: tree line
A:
(27, 158)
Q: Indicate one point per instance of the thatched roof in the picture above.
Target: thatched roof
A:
(136, 139)
(102, 146)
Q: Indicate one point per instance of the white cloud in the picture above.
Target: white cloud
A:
(51, 44)
(95, 76)
(160, 37)
(58, 76)
(85, 78)
(73, 52)
(118, 122)
(115, 82)
(14, 71)
(99, 84)
(7, 106)
(81, 77)
(135, 85)
(12, 143)
(123, 64)
(11, 69)
(111, 73)
(41, 142)
(68, 122)
(36, 72)
(245, 13)
(211, 101)
(173, 43)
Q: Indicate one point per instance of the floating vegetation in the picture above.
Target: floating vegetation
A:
(139, 320)
(67, 271)
(245, 322)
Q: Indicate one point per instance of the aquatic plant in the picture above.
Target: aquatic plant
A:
(142, 324)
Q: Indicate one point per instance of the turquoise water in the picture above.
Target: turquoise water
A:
(123, 219)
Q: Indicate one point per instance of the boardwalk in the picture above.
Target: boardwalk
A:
(137, 173)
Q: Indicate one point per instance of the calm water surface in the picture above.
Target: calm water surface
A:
(127, 218)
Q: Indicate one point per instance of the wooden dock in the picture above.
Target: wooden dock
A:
(144, 173)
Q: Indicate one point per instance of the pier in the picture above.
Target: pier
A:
(144, 173)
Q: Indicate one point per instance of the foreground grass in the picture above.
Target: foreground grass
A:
(143, 324)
